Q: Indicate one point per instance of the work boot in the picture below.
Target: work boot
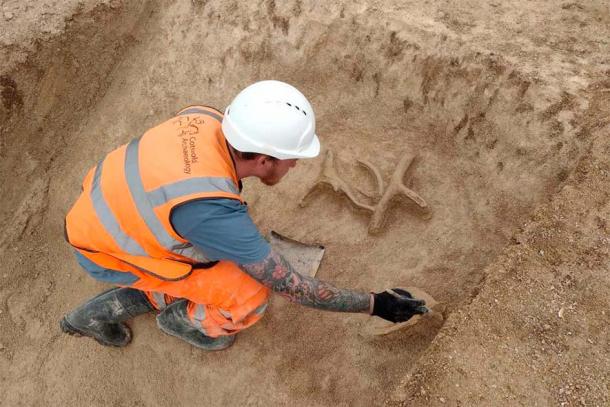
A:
(174, 320)
(102, 317)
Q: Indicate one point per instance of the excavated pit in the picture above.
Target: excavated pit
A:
(491, 143)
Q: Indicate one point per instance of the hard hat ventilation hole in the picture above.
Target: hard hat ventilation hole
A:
(296, 107)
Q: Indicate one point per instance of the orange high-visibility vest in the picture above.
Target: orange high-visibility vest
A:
(121, 221)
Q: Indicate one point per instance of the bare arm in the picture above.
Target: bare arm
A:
(277, 274)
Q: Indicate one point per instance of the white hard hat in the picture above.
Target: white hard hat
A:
(272, 118)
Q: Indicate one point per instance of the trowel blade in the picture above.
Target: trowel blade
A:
(305, 258)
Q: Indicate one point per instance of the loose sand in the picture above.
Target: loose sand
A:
(505, 105)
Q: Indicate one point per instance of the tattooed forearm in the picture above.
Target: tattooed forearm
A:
(276, 273)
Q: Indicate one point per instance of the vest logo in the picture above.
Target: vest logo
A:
(187, 130)
(187, 125)
(189, 153)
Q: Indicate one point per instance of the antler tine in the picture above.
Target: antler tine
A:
(329, 177)
(378, 178)
(311, 190)
(355, 202)
(402, 168)
(412, 195)
(395, 187)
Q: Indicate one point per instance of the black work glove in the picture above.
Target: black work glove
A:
(397, 305)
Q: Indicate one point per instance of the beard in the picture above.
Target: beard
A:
(270, 180)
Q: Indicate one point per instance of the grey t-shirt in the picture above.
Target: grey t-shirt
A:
(222, 229)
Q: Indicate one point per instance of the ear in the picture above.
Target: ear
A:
(264, 161)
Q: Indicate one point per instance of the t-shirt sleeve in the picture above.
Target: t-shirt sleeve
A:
(222, 229)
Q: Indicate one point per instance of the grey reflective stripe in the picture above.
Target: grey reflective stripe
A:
(196, 110)
(106, 217)
(192, 253)
(134, 181)
(199, 313)
(224, 313)
(260, 309)
(190, 186)
(159, 299)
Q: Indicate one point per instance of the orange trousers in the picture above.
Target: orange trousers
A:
(222, 299)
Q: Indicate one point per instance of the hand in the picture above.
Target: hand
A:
(397, 305)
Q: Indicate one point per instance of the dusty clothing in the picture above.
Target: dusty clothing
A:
(123, 224)
(211, 320)
(244, 299)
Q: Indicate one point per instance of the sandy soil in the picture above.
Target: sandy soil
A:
(505, 105)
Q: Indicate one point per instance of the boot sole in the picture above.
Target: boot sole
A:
(67, 328)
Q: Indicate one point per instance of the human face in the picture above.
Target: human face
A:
(276, 170)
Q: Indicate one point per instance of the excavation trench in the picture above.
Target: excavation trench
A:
(489, 144)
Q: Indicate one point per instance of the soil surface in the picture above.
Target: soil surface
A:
(502, 105)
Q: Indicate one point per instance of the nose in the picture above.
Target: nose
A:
(293, 163)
